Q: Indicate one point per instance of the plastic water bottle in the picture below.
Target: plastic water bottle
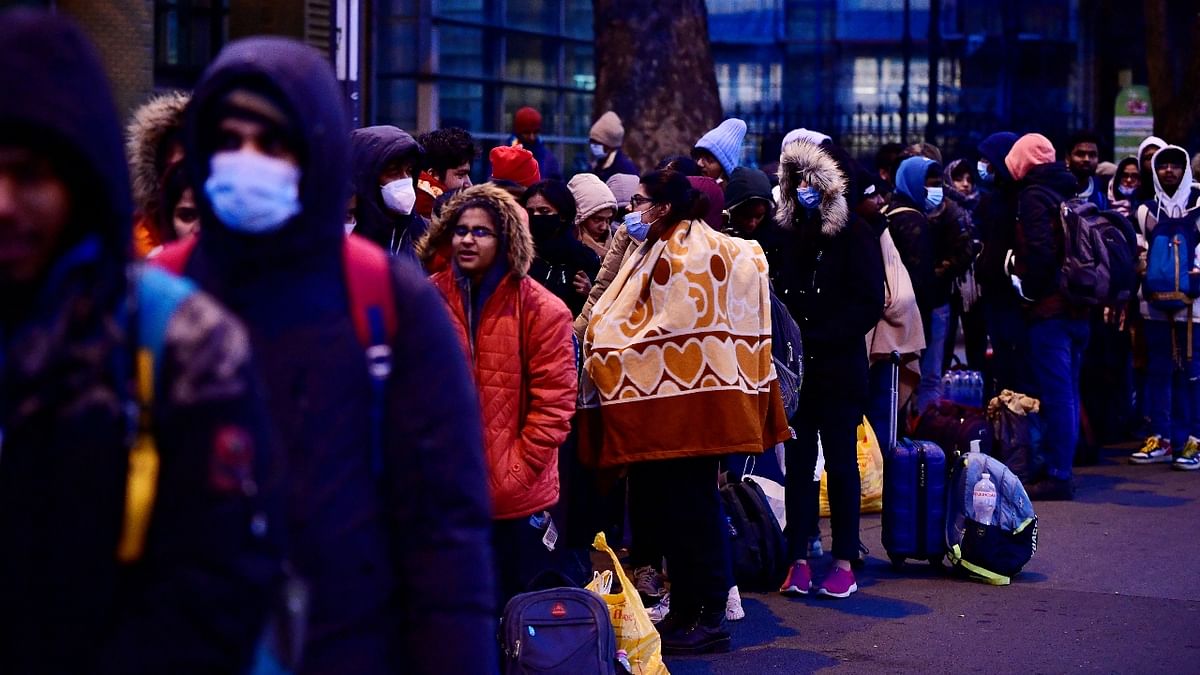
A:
(948, 386)
(976, 389)
(984, 498)
(623, 659)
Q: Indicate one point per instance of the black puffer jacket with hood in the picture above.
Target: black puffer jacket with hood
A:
(835, 292)
(397, 562)
(372, 148)
(196, 599)
(1039, 242)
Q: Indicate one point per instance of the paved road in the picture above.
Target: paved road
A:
(1114, 588)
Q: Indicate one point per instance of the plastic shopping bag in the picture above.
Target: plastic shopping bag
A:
(635, 632)
(870, 472)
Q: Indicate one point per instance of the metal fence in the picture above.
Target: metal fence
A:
(862, 131)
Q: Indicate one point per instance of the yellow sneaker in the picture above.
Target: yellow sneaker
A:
(1156, 450)
(1189, 457)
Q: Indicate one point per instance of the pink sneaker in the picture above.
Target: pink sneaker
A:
(839, 584)
(799, 580)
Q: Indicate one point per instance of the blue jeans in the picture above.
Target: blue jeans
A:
(936, 324)
(1172, 382)
(1056, 354)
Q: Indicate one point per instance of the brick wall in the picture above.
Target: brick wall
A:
(123, 31)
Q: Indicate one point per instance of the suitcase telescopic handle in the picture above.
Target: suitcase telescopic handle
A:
(893, 419)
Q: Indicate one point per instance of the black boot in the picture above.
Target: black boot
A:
(706, 635)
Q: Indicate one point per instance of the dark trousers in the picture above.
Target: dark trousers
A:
(518, 555)
(1057, 347)
(1009, 333)
(681, 510)
(975, 335)
(837, 420)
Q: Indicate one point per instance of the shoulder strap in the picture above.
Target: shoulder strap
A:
(888, 212)
(373, 311)
(159, 294)
(174, 256)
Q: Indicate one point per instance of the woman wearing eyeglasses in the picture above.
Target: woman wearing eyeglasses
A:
(518, 339)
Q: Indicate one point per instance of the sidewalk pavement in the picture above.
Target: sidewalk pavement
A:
(1113, 588)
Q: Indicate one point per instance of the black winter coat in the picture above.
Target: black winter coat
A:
(196, 600)
(397, 562)
(1039, 242)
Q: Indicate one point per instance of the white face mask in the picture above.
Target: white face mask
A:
(349, 225)
(598, 150)
(253, 193)
(400, 196)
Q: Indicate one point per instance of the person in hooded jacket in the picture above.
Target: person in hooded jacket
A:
(1146, 150)
(1172, 372)
(386, 161)
(922, 244)
(389, 517)
(963, 196)
(80, 590)
(1124, 187)
(517, 336)
(563, 264)
(837, 298)
(153, 143)
(995, 219)
(1058, 330)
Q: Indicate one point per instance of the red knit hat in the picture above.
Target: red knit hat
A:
(1029, 151)
(527, 121)
(514, 163)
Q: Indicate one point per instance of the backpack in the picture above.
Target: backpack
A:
(756, 541)
(996, 551)
(787, 351)
(1099, 255)
(1169, 286)
(372, 310)
(558, 630)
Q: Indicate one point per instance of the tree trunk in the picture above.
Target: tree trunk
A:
(654, 68)
(1174, 97)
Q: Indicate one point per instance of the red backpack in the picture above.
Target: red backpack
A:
(372, 309)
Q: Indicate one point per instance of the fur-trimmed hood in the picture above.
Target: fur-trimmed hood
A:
(803, 160)
(513, 227)
(158, 118)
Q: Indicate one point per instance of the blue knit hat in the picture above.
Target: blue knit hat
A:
(725, 143)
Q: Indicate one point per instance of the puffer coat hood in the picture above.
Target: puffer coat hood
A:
(158, 119)
(301, 81)
(513, 227)
(802, 160)
(371, 149)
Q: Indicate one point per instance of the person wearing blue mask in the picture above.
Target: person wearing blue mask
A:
(389, 509)
(922, 243)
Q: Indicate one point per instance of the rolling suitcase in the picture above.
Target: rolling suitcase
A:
(914, 493)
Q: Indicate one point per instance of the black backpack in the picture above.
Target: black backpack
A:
(559, 630)
(756, 541)
(1099, 255)
(787, 351)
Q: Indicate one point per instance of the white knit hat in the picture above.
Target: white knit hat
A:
(608, 130)
(591, 195)
(623, 185)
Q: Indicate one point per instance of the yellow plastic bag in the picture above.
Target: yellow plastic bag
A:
(870, 472)
(636, 634)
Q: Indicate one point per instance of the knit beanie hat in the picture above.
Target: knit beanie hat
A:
(623, 185)
(591, 195)
(608, 130)
(802, 134)
(746, 184)
(527, 121)
(716, 199)
(514, 163)
(725, 143)
(1029, 151)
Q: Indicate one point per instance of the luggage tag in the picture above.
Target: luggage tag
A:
(551, 537)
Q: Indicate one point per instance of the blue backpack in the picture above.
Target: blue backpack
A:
(1169, 285)
(995, 551)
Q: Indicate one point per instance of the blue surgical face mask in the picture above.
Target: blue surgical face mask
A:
(985, 171)
(810, 197)
(933, 198)
(637, 229)
(253, 193)
(1126, 191)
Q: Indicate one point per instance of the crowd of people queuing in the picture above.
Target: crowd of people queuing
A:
(549, 359)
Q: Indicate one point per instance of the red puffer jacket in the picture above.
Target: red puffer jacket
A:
(524, 365)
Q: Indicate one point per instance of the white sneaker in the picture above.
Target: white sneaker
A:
(661, 610)
(733, 606)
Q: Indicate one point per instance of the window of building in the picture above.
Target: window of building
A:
(187, 36)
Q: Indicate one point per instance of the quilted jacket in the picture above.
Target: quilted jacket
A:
(523, 358)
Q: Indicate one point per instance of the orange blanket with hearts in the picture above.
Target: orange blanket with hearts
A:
(677, 356)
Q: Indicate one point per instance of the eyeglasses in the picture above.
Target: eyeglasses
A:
(637, 200)
(461, 231)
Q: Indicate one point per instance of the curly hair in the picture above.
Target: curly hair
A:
(446, 149)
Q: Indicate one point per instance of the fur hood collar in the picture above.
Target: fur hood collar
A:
(803, 160)
(151, 124)
(513, 227)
